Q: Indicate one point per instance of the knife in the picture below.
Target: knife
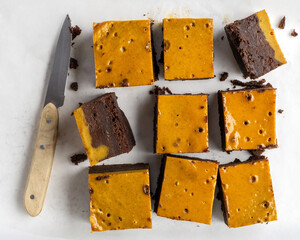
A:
(42, 160)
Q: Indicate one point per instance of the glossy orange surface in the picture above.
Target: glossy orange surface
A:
(120, 200)
(182, 124)
(188, 48)
(249, 119)
(188, 189)
(247, 193)
(123, 53)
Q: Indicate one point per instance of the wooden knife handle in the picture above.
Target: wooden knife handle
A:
(42, 161)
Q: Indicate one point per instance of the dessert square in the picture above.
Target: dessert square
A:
(248, 119)
(188, 48)
(247, 192)
(186, 189)
(119, 197)
(123, 53)
(254, 45)
(104, 129)
(181, 124)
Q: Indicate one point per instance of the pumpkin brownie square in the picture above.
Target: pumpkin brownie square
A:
(119, 197)
(104, 128)
(247, 192)
(186, 189)
(188, 48)
(123, 53)
(254, 45)
(248, 119)
(181, 124)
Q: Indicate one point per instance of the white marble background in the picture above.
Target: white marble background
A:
(29, 31)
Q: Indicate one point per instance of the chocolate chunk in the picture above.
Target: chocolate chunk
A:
(78, 158)
(146, 189)
(223, 76)
(280, 111)
(282, 23)
(294, 33)
(257, 152)
(73, 63)
(222, 38)
(74, 86)
(101, 177)
(75, 31)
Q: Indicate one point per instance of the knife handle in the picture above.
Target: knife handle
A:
(42, 160)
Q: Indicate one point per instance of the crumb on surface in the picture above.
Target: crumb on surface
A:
(223, 76)
(75, 31)
(78, 158)
(281, 24)
(73, 63)
(294, 33)
(74, 86)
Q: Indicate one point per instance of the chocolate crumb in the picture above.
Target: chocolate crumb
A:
(237, 160)
(294, 33)
(91, 191)
(101, 177)
(282, 23)
(146, 189)
(257, 152)
(280, 111)
(223, 76)
(73, 63)
(75, 31)
(80, 104)
(74, 86)
(78, 158)
(251, 84)
(72, 44)
(72, 113)
(160, 91)
(222, 38)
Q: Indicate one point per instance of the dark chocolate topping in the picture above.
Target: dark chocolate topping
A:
(250, 47)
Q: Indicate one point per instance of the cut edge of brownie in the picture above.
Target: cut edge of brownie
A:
(235, 39)
(222, 122)
(154, 62)
(118, 143)
(191, 158)
(159, 183)
(118, 168)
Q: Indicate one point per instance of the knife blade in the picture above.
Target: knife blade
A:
(42, 160)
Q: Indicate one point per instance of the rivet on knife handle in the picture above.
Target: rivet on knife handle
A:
(42, 161)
